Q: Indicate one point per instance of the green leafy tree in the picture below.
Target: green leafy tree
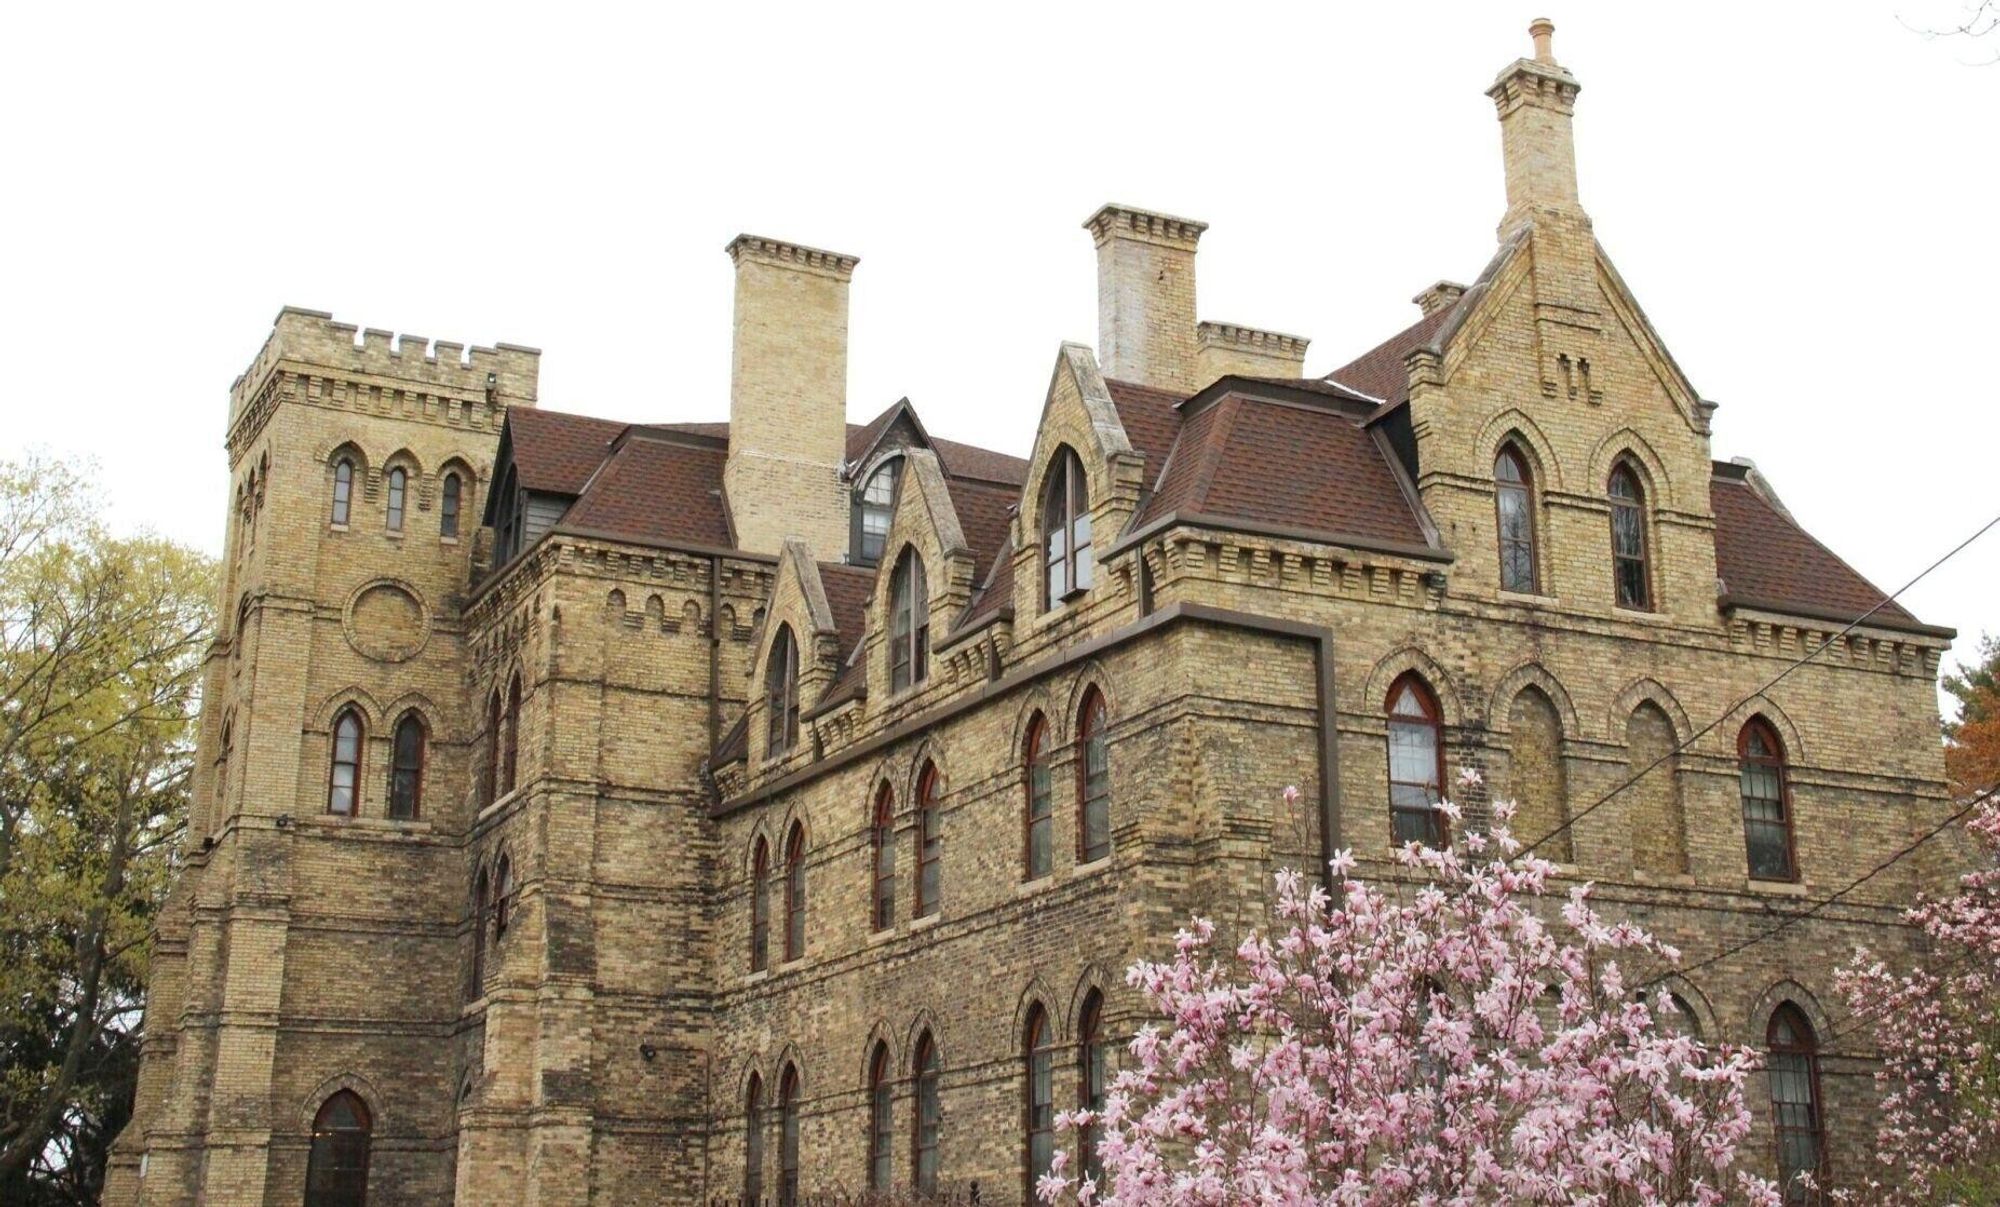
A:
(101, 644)
(1972, 741)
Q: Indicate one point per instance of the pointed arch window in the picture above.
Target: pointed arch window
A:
(222, 766)
(344, 779)
(1630, 576)
(1514, 513)
(795, 893)
(882, 843)
(880, 1103)
(753, 1141)
(480, 888)
(1066, 552)
(337, 1169)
(343, 489)
(448, 506)
(1093, 772)
(490, 774)
(878, 504)
(781, 694)
(788, 1136)
(399, 481)
(1797, 1107)
(925, 1114)
(1039, 1105)
(1416, 763)
(510, 735)
(1767, 806)
(406, 768)
(760, 907)
(1040, 783)
(1091, 1080)
(930, 844)
(909, 623)
(503, 893)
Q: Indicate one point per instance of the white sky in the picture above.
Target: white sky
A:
(1802, 195)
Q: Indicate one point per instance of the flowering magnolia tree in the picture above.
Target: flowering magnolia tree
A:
(1938, 1028)
(1434, 1043)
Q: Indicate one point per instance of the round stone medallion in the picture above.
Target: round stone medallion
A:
(386, 621)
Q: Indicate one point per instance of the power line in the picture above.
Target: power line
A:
(1815, 652)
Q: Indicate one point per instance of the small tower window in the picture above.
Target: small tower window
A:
(448, 507)
(1066, 529)
(781, 694)
(503, 894)
(343, 489)
(910, 623)
(399, 481)
(1514, 506)
(510, 735)
(406, 771)
(346, 772)
(1628, 540)
(878, 502)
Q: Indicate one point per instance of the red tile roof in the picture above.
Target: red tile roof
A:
(1379, 372)
(555, 452)
(848, 590)
(1766, 560)
(655, 489)
(1150, 421)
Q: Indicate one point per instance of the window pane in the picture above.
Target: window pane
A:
(397, 480)
(448, 515)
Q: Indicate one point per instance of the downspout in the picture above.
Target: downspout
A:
(714, 651)
(1329, 762)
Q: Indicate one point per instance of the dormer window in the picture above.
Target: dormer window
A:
(1066, 529)
(909, 623)
(1514, 508)
(781, 694)
(876, 509)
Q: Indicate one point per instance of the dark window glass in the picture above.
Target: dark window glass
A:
(343, 489)
(448, 509)
(878, 501)
(753, 1142)
(406, 772)
(1040, 1120)
(1041, 801)
(1090, 1069)
(788, 1137)
(503, 895)
(880, 1103)
(398, 483)
(924, 1152)
(337, 1169)
(760, 908)
(1513, 502)
(930, 843)
(510, 736)
(1628, 540)
(342, 784)
(1767, 815)
(795, 894)
(1416, 764)
(781, 693)
(490, 774)
(882, 838)
(1093, 780)
(1796, 1106)
(479, 893)
(910, 623)
(1066, 551)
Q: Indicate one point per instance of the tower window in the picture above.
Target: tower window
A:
(909, 624)
(346, 773)
(788, 1136)
(1514, 507)
(878, 502)
(343, 489)
(448, 507)
(337, 1168)
(406, 771)
(781, 693)
(1066, 529)
(1090, 1069)
(510, 735)
(753, 1142)
(1628, 540)
(399, 481)
(760, 907)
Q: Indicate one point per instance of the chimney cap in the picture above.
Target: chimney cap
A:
(1150, 226)
(791, 255)
(1542, 30)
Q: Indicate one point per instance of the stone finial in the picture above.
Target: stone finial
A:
(1542, 30)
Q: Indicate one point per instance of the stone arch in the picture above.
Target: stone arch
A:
(925, 1021)
(656, 612)
(614, 602)
(929, 751)
(354, 1083)
(1404, 660)
(419, 703)
(1765, 1004)
(1628, 445)
(1524, 675)
(1537, 776)
(1037, 993)
(1514, 424)
(1091, 675)
(760, 831)
(690, 617)
(725, 622)
(1761, 705)
(879, 1033)
(406, 459)
(1037, 701)
(1705, 1019)
(789, 1054)
(1093, 978)
(353, 451)
(359, 697)
(796, 814)
(766, 1078)
(1637, 692)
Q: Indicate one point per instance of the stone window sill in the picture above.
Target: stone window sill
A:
(1531, 599)
(1673, 879)
(878, 937)
(1639, 617)
(1776, 888)
(1040, 884)
(758, 977)
(926, 922)
(344, 821)
(1100, 864)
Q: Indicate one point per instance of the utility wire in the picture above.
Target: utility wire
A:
(1815, 652)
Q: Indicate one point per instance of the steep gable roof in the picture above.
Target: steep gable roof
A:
(656, 488)
(1379, 372)
(556, 452)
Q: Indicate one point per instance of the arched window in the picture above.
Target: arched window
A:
(222, 767)
(1091, 1080)
(510, 735)
(781, 693)
(1040, 783)
(490, 778)
(343, 489)
(878, 503)
(795, 893)
(924, 1149)
(909, 623)
(753, 1142)
(480, 889)
(1628, 540)
(342, 787)
(337, 1170)
(1797, 1115)
(788, 1136)
(760, 907)
(882, 842)
(399, 481)
(1416, 763)
(1679, 1020)
(1066, 529)
(406, 768)
(880, 1103)
(1039, 1100)
(930, 843)
(1093, 780)
(1514, 507)
(503, 893)
(449, 505)
(1767, 813)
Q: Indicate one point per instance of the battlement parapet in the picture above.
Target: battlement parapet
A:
(505, 374)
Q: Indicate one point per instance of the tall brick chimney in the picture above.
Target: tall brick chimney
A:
(788, 396)
(1145, 296)
(1537, 99)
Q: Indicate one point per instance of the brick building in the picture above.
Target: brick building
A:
(666, 812)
